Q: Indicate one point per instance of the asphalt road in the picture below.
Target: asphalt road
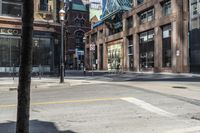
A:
(108, 106)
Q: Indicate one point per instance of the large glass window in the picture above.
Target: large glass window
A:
(166, 49)
(166, 8)
(146, 16)
(9, 54)
(146, 49)
(130, 52)
(11, 8)
(42, 54)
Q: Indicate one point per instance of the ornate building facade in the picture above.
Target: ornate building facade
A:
(45, 41)
(76, 25)
(141, 35)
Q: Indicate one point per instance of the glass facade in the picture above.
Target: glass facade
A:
(10, 47)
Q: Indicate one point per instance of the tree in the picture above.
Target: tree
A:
(23, 105)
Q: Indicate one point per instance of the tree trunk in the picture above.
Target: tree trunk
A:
(23, 106)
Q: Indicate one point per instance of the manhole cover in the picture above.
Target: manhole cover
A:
(179, 87)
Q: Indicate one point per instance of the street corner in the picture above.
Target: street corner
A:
(49, 85)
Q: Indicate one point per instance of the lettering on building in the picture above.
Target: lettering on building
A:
(5, 31)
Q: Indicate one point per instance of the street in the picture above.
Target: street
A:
(107, 104)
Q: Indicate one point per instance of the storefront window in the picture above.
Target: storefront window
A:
(146, 49)
(114, 57)
(9, 54)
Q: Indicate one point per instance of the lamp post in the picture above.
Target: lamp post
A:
(62, 18)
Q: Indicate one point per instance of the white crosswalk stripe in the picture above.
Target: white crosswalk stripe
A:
(148, 107)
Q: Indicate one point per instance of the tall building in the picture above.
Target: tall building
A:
(45, 39)
(194, 35)
(141, 35)
(76, 25)
(95, 10)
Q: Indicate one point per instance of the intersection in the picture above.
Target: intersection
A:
(107, 104)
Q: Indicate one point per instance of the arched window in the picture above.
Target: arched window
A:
(79, 39)
(82, 21)
(77, 22)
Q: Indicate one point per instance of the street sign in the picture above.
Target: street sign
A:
(92, 47)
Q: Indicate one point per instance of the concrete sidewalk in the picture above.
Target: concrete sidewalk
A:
(8, 84)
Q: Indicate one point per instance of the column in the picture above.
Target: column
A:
(136, 52)
(158, 49)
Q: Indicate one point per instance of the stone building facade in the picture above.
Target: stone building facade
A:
(45, 41)
(76, 25)
(151, 36)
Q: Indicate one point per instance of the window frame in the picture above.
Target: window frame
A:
(17, 3)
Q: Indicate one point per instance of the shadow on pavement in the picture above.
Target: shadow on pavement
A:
(153, 77)
(36, 126)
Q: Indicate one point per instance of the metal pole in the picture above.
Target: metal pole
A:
(61, 56)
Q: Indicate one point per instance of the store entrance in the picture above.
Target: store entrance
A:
(114, 57)
(147, 56)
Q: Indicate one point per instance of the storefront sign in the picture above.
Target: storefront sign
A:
(6, 31)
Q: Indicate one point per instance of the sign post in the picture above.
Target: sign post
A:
(92, 50)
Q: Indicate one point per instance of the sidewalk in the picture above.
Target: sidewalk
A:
(8, 84)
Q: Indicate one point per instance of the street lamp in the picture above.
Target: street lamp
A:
(62, 18)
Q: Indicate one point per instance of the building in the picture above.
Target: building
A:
(46, 36)
(141, 35)
(194, 35)
(76, 25)
(95, 10)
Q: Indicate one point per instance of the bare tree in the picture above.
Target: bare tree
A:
(23, 105)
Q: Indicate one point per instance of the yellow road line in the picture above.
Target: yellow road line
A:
(63, 102)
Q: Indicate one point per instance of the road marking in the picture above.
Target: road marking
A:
(63, 102)
(148, 107)
(185, 130)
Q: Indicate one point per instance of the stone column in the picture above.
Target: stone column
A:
(136, 52)
(158, 49)
(185, 36)
(124, 45)
(105, 50)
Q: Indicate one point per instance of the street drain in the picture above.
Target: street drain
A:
(179, 87)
